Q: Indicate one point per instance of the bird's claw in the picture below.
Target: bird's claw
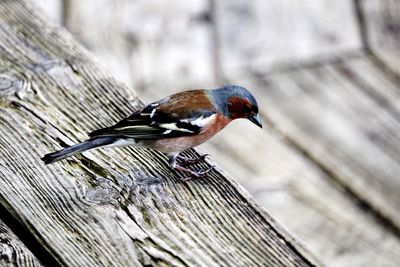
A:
(192, 174)
(188, 161)
(202, 174)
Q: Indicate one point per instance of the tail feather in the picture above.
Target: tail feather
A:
(78, 148)
(100, 131)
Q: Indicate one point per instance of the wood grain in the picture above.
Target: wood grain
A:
(13, 253)
(120, 207)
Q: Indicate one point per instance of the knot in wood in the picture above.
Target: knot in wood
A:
(6, 252)
(12, 84)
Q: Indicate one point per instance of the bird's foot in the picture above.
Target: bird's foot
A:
(188, 161)
(199, 174)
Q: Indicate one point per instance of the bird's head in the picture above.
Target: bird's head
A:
(237, 102)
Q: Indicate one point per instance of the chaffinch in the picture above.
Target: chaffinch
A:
(173, 124)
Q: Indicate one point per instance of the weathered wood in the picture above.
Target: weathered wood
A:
(350, 126)
(261, 34)
(13, 253)
(120, 207)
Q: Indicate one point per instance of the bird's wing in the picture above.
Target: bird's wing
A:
(162, 119)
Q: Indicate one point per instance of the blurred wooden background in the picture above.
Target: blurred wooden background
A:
(326, 75)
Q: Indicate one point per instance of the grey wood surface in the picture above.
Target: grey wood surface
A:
(120, 207)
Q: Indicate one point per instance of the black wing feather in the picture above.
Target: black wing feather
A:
(148, 124)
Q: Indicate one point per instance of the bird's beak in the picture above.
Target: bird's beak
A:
(256, 120)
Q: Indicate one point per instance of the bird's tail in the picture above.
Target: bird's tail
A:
(78, 148)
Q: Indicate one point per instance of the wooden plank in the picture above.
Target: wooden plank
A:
(13, 253)
(261, 34)
(346, 123)
(147, 44)
(112, 207)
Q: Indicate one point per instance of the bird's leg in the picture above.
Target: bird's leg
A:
(174, 165)
(187, 161)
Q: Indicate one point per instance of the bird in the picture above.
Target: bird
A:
(173, 124)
